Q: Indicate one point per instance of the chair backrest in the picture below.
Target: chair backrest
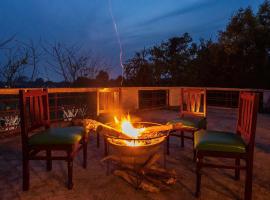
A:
(193, 102)
(34, 110)
(247, 117)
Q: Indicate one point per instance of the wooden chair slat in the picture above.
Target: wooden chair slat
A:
(31, 109)
(198, 102)
(188, 101)
(41, 108)
(246, 116)
(192, 102)
(248, 124)
(243, 114)
(252, 117)
(36, 113)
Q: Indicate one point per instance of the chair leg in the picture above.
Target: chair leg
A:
(49, 160)
(194, 155)
(168, 145)
(105, 147)
(248, 184)
(26, 174)
(85, 154)
(237, 169)
(70, 171)
(198, 175)
(194, 151)
(182, 139)
(98, 138)
(164, 156)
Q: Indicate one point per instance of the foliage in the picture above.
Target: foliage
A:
(20, 64)
(17, 59)
(13, 66)
(239, 58)
(71, 62)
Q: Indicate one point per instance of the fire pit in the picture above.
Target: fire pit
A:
(136, 149)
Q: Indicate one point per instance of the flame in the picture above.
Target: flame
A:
(126, 127)
(116, 120)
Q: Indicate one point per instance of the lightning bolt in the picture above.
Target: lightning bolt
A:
(118, 40)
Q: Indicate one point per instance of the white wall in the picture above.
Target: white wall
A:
(129, 98)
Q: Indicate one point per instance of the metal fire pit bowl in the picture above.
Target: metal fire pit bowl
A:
(141, 149)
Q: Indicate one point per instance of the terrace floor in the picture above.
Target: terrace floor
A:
(93, 183)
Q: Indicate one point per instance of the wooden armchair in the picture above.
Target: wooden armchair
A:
(37, 136)
(239, 145)
(192, 114)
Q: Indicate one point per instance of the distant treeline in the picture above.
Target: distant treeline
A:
(102, 80)
(240, 57)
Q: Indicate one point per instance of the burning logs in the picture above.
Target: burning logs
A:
(155, 131)
(108, 130)
(105, 129)
(161, 128)
(147, 132)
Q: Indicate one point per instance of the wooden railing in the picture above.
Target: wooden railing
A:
(69, 103)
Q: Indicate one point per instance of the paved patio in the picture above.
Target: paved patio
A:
(94, 184)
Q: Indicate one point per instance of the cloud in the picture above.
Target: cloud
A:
(179, 11)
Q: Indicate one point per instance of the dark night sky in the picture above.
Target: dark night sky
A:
(141, 23)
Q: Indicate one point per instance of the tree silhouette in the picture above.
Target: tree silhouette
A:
(239, 58)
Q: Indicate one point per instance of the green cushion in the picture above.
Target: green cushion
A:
(218, 141)
(196, 123)
(51, 136)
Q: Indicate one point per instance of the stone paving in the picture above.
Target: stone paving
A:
(93, 183)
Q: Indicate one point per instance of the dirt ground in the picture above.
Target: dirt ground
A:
(93, 183)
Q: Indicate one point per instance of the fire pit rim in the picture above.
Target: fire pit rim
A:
(162, 137)
(138, 139)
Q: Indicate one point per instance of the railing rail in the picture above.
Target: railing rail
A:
(69, 103)
(15, 91)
